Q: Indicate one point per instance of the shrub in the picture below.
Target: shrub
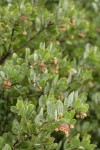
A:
(49, 75)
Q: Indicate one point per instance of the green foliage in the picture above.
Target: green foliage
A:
(49, 75)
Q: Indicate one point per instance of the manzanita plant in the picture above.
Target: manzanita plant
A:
(49, 75)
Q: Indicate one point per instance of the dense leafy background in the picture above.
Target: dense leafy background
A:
(49, 74)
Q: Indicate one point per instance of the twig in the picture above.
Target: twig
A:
(49, 24)
(3, 58)
(9, 52)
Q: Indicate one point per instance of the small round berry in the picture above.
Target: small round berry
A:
(63, 27)
(54, 61)
(72, 21)
(42, 64)
(5, 83)
(81, 34)
(24, 33)
(77, 116)
(71, 126)
(9, 83)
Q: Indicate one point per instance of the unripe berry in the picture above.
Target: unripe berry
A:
(81, 34)
(72, 21)
(54, 61)
(24, 33)
(7, 84)
(72, 36)
(71, 126)
(63, 27)
(90, 84)
(24, 18)
(77, 116)
(83, 115)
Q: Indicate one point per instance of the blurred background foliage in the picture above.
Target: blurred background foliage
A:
(72, 29)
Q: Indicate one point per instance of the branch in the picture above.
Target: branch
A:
(9, 52)
(12, 34)
(25, 44)
(3, 58)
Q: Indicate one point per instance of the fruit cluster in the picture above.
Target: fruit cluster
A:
(65, 128)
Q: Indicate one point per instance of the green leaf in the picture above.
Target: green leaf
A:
(69, 100)
(62, 84)
(1, 142)
(55, 80)
(83, 97)
(38, 24)
(14, 109)
(27, 54)
(60, 13)
(51, 108)
(21, 107)
(24, 125)
(39, 117)
(8, 138)
(59, 145)
(42, 100)
(87, 75)
(75, 143)
(2, 74)
(84, 107)
(6, 147)
(14, 58)
(69, 116)
(60, 107)
(16, 127)
(35, 57)
(77, 103)
(29, 111)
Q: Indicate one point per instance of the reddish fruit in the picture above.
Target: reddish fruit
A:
(42, 64)
(63, 128)
(9, 83)
(5, 83)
